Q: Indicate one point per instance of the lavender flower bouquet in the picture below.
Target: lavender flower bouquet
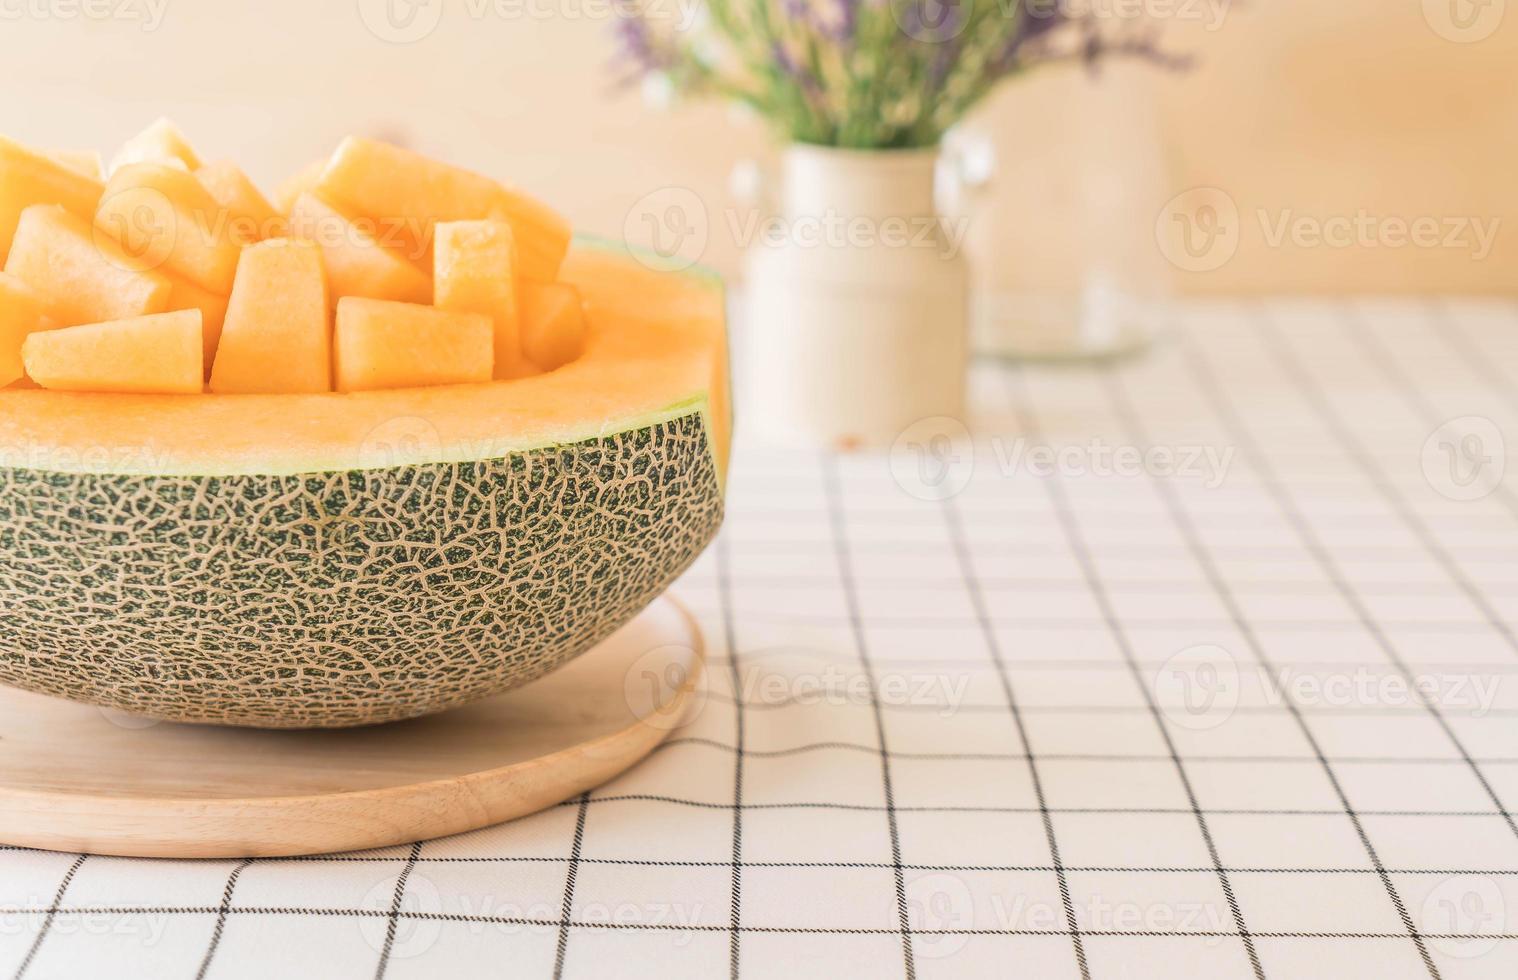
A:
(865, 74)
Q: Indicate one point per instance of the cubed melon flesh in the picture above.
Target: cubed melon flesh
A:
(213, 312)
(158, 354)
(28, 177)
(251, 218)
(83, 275)
(86, 163)
(277, 336)
(386, 183)
(475, 264)
(164, 216)
(160, 142)
(301, 182)
(356, 264)
(379, 344)
(553, 323)
(21, 314)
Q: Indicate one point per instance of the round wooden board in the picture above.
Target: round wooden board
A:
(80, 778)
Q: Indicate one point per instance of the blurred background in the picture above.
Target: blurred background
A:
(1298, 118)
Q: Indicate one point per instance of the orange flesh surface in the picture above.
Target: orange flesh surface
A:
(157, 354)
(553, 324)
(21, 313)
(654, 341)
(476, 273)
(357, 264)
(166, 217)
(276, 337)
(378, 345)
(84, 276)
(28, 177)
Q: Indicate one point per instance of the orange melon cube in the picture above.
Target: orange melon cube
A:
(379, 344)
(86, 163)
(22, 313)
(84, 277)
(28, 177)
(277, 336)
(356, 264)
(161, 142)
(251, 218)
(158, 354)
(164, 216)
(553, 323)
(475, 264)
(301, 182)
(213, 312)
(412, 192)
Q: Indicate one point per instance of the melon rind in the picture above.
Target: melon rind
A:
(412, 578)
(331, 600)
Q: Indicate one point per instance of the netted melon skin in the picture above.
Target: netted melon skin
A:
(341, 599)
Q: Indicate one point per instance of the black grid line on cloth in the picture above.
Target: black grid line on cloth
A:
(908, 865)
(480, 919)
(730, 635)
(993, 645)
(561, 944)
(1028, 416)
(711, 743)
(1115, 586)
(395, 911)
(838, 520)
(1320, 404)
(1224, 410)
(52, 913)
(873, 808)
(1376, 475)
(1489, 369)
(1377, 353)
(221, 918)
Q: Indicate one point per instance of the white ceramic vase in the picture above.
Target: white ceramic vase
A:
(857, 302)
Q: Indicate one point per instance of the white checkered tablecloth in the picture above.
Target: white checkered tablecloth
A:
(1207, 670)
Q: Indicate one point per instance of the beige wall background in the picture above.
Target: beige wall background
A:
(1299, 115)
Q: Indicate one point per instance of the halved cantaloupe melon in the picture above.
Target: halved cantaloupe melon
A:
(159, 354)
(161, 142)
(277, 336)
(553, 323)
(386, 183)
(250, 216)
(475, 264)
(165, 217)
(328, 560)
(22, 312)
(28, 178)
(379, 344)
(84, 276)
(356, 264)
